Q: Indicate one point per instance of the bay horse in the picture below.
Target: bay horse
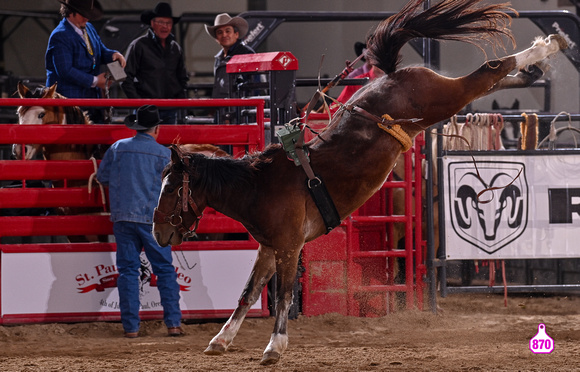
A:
(269, 195)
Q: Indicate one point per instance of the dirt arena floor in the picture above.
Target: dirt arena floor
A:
(469, 333)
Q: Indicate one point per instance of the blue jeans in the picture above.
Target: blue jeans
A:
(131, 238)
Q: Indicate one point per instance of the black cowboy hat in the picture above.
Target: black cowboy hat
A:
(160, 10)
(224, 19)
(90, 9)
(147, 117)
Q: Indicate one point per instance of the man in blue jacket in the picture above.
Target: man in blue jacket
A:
(132, 169)
(75, 53)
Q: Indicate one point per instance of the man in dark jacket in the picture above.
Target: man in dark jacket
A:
(228, 32)
(155, 63)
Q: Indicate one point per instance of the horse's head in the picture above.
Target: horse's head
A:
(45, 115)
(178, 208)
(36, 115)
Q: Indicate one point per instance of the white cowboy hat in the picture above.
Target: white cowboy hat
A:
(224, 19)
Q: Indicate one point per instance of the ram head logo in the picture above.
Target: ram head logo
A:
(493, 219)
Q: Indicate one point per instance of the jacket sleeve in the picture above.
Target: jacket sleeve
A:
(132, 58)
(104, 171)
(182, 75)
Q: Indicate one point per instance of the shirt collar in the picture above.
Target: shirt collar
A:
(77, 29)
(145, 136)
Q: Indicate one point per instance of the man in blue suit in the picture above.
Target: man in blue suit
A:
(75, 53)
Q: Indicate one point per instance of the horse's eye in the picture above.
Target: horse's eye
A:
(41, 115)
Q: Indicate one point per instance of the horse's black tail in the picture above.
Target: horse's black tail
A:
(462, 20)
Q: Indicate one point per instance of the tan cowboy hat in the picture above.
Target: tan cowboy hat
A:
(225, 20)
(90, 9)
(160, 10)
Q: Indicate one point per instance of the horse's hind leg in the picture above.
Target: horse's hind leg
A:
(531, 63)
(495, 72)
(262, 271)
(540, 49)
(523, 79)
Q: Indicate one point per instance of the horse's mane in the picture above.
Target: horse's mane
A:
(211, 174)
(73, 114)
(461, 20)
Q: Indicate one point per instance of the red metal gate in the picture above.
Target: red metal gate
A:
(243, 138)
(352, 270)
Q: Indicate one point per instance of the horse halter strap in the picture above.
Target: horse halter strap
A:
(183, 203)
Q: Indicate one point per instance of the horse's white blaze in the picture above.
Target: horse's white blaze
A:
(33, 115)
(278, 343)
(163, 184)
(540, 49)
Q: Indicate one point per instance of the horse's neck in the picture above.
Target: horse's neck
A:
(230, 197)
(66, 152)
(233, 206)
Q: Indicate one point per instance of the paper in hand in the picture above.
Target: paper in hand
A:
(117, 72)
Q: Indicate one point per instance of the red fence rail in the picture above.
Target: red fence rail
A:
(243, 138)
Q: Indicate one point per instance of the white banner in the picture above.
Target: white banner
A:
(536, 216)
(85, 282)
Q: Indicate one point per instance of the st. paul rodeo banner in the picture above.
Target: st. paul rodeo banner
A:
(535, 216)
(43, 283)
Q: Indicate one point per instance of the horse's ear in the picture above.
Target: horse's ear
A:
(175, 154)
(494, 105)
(22, 90)
(50, 91)
(516, 105)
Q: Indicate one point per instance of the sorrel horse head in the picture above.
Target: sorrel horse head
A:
(268, 194)
(56, 115)
(50, 115)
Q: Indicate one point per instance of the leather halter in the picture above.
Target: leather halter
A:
(184, 201)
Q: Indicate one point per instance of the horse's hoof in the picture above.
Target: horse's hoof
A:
(214, 349)
(270, 357)
(562, 43)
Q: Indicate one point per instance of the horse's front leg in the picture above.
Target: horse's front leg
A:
(262, 271)
(286, 268)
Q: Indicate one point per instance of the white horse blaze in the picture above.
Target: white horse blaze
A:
(33, 115)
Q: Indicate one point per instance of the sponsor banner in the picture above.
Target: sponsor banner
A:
(86, 282)
(532, 211)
